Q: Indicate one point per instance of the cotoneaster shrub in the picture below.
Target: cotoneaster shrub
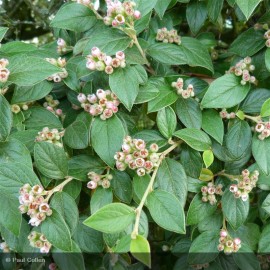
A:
(141, 131)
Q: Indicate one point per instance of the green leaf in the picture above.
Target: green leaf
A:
(111, 41)
(206, 242)
(101, 197)
(260, 151)
(234, 209)
(189, 112)
(107, 137)
(166, 122)
(225, 92)
(14, 151)
(248, 43)
(89, 240)
(5, 118)
(195, 138)
(196, 208)
(79, 166)
(140, 184)
(213, 124)
(191, 160)
(74, 17)
(40, 118)
(166, 211)
(266, 204)
(172, 178)
(77, 135)
(206, 174)
(140, 249)
(238, 139)
(145, 6)
(196, 14)
(111, 218)
(190, 52)
(51, 160)
(65, 205)
(122, 186)
(161, 7)
(17, 47)
(247, 6)
(265, 110)
(21, 70)
(166, 97)
(214, 9)
(246, 259)
(267, 59)
(208, 158)
(125, 85)
(57, 232)
(14, 175)
(3, 31)
(264, 244)
(10, 216)
(31, 93)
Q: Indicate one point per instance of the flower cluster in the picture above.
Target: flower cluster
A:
(98, 60)
(210, 191)
(135, 156)
(168, 36)
(39, 240)
(61, 46)
(51, 105)
(103, 103)
(225, 115)
(227, 243)
(267, 37)
(186, 93)
(16, 108)
(61, 63)
(246, 183)
(4, 246)
(121, 14)
(243, 68)
(34, 204)
(4, 72)
(50, 136)
(263, 129)
(99, 180)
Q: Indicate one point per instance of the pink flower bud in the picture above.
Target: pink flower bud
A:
(91, 185)
(120, 55)
(91, 65)
(154, 147)
(95, 52)
(108, 60)
(81, 98)
(141, 171)
(137, 14)
(59, 112)
(115, 23)
(139, 144)
(52, 266)
(109, 70)
(120, 19)
(101, 94)
(61, 42)
(44, 207)
(223, 233)
(237, 241)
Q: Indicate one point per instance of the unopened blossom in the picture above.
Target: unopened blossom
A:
(4, 72)
(243, 69)
(267, 37)
(99, 61)
(4, 247)
(185, 93)
(50, 135)
(263, 128)
(33, 203)
(121, 14)
(104, 103)
(245, 183)
(39, 241)
(226, 115)
(136, 156)
(99, 180)
(61, 46)
(227, 243)
(168, 36)
(51, 105)
(210, 192)
(61, 63)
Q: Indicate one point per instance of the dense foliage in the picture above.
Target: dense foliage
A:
(141, 133)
